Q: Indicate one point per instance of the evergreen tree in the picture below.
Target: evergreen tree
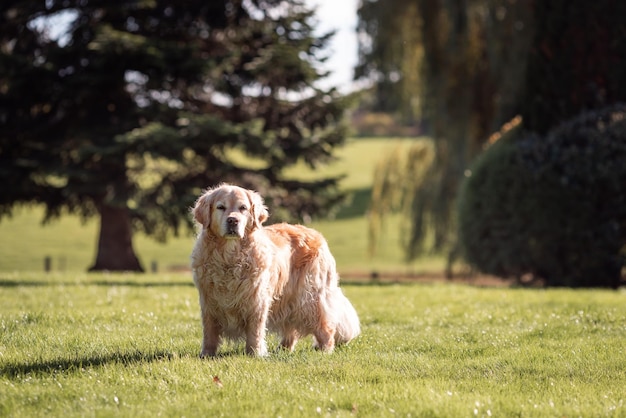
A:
(133, 107)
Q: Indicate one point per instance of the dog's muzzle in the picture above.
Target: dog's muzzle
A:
(232, 227)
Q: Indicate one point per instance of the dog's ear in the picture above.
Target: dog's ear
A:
(258, 210)
(202, 210)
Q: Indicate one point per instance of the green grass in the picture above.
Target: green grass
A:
(126, 345)
(24, 242)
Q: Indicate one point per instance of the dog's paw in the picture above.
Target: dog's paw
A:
(326, 346)
(207, 353)
(259, 351)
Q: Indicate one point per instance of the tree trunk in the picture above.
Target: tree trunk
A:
(115, 244)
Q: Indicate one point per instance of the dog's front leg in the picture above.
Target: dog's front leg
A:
(210, 337)
(211, 330)
(255, 334)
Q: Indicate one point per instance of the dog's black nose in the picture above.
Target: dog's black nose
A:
(232, 221)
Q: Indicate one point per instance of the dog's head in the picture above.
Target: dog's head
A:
(229, 211)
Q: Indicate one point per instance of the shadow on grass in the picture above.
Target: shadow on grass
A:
(105, 283)
(78, 364)
(140, 284)
(374, 283)
(51, 367)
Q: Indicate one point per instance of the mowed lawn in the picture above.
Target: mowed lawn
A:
(70, 244)
(75, 345)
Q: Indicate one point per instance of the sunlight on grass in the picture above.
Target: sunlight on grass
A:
(356, 161)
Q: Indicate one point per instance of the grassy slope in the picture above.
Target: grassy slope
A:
(24, 242)
(124, 345)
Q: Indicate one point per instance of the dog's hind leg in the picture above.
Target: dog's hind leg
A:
(324, 340)
(290, 338)
(325, 332)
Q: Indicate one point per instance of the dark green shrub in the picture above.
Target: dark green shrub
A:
(552, 207)
(490, 226)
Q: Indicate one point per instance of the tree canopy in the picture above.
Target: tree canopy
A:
(127, 110)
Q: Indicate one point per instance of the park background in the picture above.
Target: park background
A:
(126, 114)
(127, 110)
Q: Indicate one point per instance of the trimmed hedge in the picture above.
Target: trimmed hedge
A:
(552, 207)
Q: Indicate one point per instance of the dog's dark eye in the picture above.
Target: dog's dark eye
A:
(220, 207)
(243, 208)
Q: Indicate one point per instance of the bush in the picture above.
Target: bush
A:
(551, 207)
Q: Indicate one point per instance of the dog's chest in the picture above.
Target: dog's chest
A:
(234, 296)
(226, 278)
(232, 286)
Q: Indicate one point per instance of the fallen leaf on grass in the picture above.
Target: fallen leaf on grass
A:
(217, 382)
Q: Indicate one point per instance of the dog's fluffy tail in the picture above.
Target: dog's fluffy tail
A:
(348, 324)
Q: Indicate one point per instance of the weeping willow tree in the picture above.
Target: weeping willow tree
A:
(393, 188)
(447, 68)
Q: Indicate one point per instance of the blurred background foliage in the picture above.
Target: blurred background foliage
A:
(465, 68)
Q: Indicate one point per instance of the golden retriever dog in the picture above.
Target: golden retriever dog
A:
(252, 278)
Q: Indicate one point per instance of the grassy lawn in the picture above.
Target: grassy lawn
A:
(73, 344)
(126, 345)
(24, 242)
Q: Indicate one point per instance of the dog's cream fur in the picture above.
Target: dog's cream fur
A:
(251, 278)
